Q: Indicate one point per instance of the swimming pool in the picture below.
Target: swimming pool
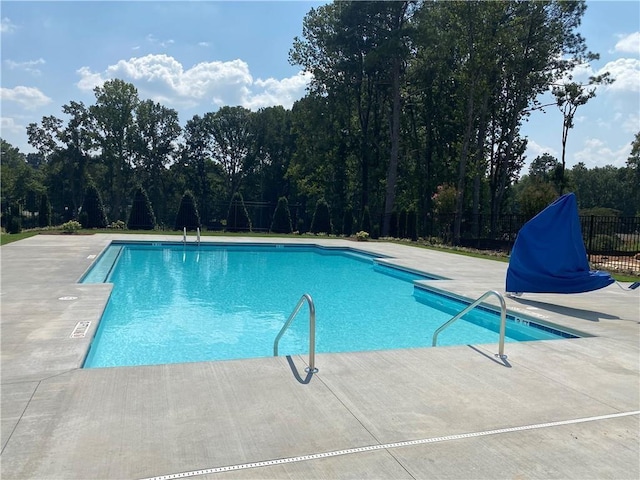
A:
(174, 303)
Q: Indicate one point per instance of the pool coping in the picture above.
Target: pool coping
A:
(51, 428)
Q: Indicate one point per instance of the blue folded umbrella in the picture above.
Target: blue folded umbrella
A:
(549, 254)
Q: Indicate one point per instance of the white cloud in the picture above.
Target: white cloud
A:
(6, 26)
(162, 77)
(8, 124)
(630, 123)
(629, 43)
(626, 72)
(28, 97)
(203, 44)
(28, 66)
(596, 153)
(535, 150)
(156, 41)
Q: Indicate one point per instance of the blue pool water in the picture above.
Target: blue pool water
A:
(173, 304)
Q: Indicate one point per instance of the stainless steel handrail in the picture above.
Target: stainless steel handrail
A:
(503, 320)
(312, 331)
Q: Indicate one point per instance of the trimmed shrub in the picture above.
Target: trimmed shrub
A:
(412, 225)
(187, 216)
(282, 217)
(44, 213)
(365, 221)
(402, 224)
(93, 209)
(71, 226)
(393, 225)
(238, 218)
(13, 219)
(141, 216)
(321, 222)
(347, 221)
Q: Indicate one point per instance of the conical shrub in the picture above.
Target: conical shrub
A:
(282, 217)
(141, 216)
(188, 216)
(44, 213)
(93, 214)
(321, 222)
(347, 221)
(365, 222)
(238, 218)
(412, 225)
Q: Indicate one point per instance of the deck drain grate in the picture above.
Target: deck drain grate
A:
(369, 448)
(81, 329)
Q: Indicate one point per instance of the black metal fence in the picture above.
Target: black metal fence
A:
(612, 243)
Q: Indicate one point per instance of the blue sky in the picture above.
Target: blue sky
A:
(197, 56)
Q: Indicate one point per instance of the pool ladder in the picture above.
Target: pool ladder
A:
(184, 235)
(503, 320)
(312, 331)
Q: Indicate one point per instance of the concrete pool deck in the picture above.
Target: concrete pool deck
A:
(558, 409)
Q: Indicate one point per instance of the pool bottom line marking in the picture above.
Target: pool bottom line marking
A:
(369, 448)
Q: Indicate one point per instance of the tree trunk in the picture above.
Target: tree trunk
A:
(392, 172)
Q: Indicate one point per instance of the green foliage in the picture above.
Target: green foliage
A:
(394, 230)
(187, 216)
(605, 243)
(92, 209)
(141, 216)
(72, 226)
(412, 225)
(281, 222)
(444, 200)
(535, 197)
(321, 222)
(599, 212)
(44, 212)
(362, 236)
(238, 218)
(13, 219)
(402, 224)
(365, 221)
(347, 221)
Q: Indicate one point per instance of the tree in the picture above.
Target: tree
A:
(114, 131)
(156, 145)
(282, 217)
(633, 175)
(141, 216)
(187, 216)
(321, 222)
(569, 96)
(44, 213)
(92, 211)
(233, 144)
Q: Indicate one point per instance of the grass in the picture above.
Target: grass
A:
(14, 237)
(6, 238)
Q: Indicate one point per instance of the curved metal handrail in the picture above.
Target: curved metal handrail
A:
(312, 331)
(503, 320)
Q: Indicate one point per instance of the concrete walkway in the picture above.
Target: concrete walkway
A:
(558, 409)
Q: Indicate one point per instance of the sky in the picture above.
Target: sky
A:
(198, 56)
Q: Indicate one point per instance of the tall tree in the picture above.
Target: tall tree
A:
(156, 145)
(569, 96)
(233, 145)
(114, 128)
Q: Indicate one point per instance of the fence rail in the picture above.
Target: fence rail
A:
(612, 243)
